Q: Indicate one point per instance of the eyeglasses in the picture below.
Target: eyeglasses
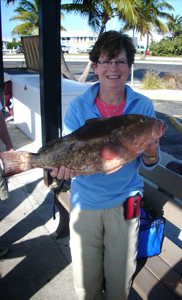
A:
(122, 63)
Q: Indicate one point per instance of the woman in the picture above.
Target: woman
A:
(103, 243)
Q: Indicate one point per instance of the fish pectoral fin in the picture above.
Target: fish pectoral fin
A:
(110, 152)
(94, 120)
(113, 170)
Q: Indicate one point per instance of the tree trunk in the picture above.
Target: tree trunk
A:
(145, 53)
(64, 69)
(84, 75)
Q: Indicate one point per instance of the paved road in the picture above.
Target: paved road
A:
(140, 68)
(171, 141)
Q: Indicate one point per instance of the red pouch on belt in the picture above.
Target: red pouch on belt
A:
(132, 207)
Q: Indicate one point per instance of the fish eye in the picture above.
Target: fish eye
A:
(143, 119)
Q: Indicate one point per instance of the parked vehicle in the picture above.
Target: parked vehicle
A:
(90, 48)
(19, 49)
(85, 50)
(140, 49)
(64, 49)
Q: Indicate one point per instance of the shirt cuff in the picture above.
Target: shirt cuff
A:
(152, 166)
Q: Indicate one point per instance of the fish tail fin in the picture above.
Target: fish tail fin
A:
(15, 162)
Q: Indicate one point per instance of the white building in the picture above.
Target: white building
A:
(76, 40)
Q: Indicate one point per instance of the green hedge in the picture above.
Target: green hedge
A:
(10, 45)
(166, 47)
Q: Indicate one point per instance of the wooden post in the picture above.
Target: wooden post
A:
(50, 72)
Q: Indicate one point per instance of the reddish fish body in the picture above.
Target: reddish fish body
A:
(101, 145)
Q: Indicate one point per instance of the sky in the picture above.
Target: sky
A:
(71, 21)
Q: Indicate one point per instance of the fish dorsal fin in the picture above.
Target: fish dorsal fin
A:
(50, 144)
(94, 120)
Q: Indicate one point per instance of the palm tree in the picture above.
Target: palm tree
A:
(149, 12)
(175, 26)
(99, 13)
(27, 12)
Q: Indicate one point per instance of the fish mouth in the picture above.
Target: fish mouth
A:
(164, 129)
(159, 127)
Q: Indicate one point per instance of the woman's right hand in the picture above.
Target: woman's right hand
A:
(62, 173)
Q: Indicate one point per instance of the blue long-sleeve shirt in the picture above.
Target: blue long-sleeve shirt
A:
(92, 192)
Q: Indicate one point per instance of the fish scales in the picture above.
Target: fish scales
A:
(101, 145)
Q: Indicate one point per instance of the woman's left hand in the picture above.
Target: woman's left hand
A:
(150, 154)
(152, 149)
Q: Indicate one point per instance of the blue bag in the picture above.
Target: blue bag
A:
(150, 236)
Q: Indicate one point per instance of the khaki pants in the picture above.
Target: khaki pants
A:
(103, 245)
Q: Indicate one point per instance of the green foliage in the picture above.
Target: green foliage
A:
(175, 26)
(27, 13)
(152, 81)
(11, 45)
(166, 47)
(149, 13)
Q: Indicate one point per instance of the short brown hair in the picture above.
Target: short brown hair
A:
(111, 43)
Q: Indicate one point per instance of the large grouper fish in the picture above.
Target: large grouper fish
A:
(101, 145)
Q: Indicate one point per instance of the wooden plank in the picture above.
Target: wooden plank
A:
(148, 287)
(64, 199)
(134, 295)
(166, 275)
(31, 51)
(165, 179)
(172, 255)
(163, 205)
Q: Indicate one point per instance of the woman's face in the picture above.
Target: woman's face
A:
(113, 75)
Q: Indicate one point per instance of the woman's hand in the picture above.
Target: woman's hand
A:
(150, 154)
(10, 150)
(152, 149)
(62, 173)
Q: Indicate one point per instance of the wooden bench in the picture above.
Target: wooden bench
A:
(158, 277)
